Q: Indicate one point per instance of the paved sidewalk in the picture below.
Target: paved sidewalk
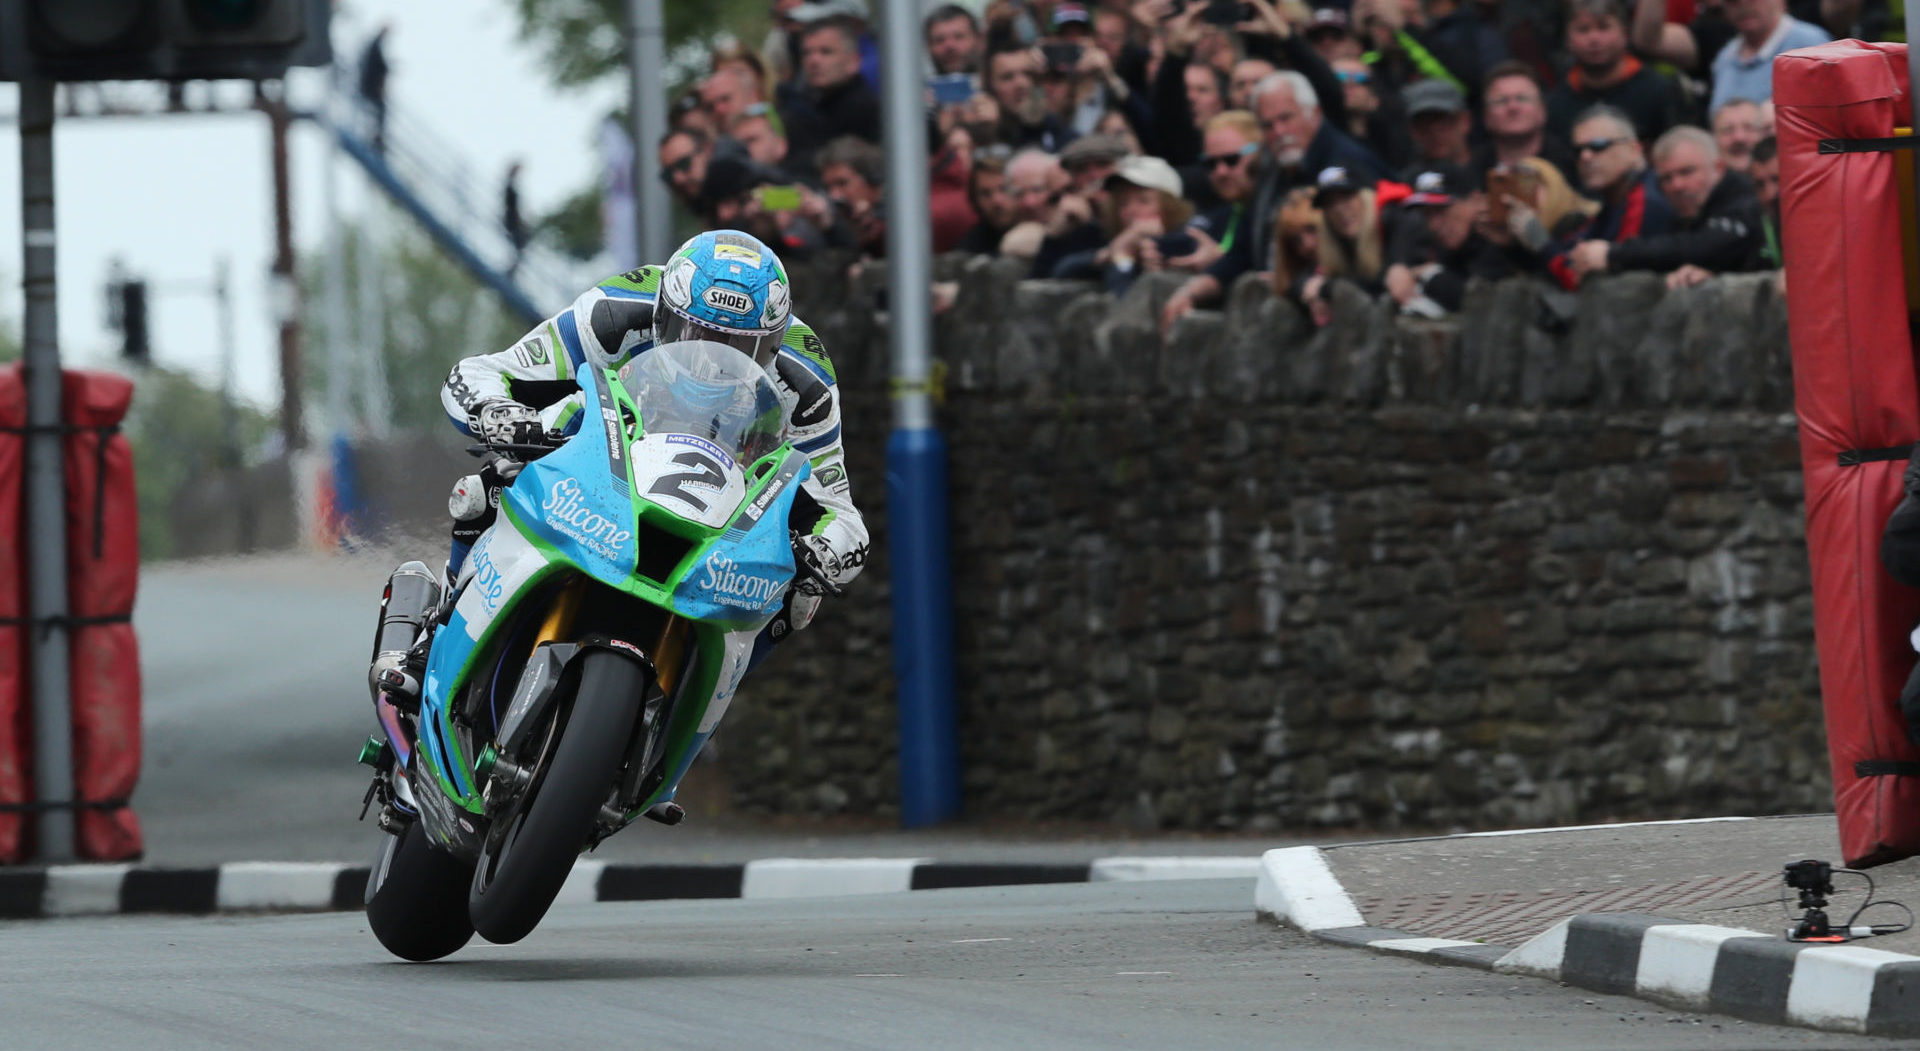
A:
(1686, 913)
(1505, 889)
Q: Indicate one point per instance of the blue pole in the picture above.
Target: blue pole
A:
(922, 626)
(916, 453)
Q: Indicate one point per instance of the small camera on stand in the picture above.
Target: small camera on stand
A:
(1814, 880)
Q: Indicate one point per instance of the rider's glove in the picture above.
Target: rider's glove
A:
(507, 423)
(816, 568)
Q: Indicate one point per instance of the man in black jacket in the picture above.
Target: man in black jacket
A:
(1718, 225)
(837, 100)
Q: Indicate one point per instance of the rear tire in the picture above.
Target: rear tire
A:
(532, 850)
(415, 900)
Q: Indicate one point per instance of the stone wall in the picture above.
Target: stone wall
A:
(1384, 574)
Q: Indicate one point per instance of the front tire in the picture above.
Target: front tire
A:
(531, 849)
(414, 900)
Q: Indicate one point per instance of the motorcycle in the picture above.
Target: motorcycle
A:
(588, 647)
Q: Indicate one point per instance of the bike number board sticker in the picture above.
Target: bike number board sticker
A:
(690, 476)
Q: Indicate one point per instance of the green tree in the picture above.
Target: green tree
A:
(178, 428)
(433, 314)
(583, 42)
(9, 342)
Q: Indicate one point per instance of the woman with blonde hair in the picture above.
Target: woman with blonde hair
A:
(1352, 242)
(1296, 243)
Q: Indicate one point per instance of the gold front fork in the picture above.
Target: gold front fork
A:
(559, 622)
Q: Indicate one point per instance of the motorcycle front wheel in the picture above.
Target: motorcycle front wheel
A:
(531, 848)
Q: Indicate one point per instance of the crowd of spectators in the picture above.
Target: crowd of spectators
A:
(1401, 146)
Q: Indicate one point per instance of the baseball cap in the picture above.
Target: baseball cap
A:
(1433, 96)
(815, 10)
(1332, 181)
(1441, 184)
(1070, 14)
(1094, 149)
(1150, 172)
(1327, 20)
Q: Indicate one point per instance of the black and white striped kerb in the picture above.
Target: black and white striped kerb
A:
(81, 890)
(1741, 973)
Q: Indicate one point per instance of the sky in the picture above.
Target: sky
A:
(172, 195)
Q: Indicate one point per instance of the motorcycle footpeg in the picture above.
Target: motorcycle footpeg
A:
(667, 813)
(401, 689)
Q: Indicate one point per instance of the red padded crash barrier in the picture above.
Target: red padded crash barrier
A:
(103, 564)
(16, 782)
(1855, 392)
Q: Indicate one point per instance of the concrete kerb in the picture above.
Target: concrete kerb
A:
(264, 886)
(1745, 974)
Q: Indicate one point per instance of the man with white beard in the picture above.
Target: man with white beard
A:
(1299, 143)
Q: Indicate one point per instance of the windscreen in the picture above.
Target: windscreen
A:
(709, 390)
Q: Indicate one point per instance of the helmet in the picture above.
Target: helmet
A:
(727, 287)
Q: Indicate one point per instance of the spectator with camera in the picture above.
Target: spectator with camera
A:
(1143, 219)
(836, 100)
(1450, 203)
(1613, 170)
(1605, 73)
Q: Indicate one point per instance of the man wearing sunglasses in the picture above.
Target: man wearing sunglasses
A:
(1613, 170)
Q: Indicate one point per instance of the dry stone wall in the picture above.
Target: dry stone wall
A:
(1545, 564)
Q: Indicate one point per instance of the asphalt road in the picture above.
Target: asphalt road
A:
(256, 704)
(1159, 965)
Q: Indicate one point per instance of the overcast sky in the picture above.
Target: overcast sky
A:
(171, 195)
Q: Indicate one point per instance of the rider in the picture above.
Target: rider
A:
(724, 286)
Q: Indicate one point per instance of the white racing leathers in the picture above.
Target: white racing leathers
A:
(611, 323)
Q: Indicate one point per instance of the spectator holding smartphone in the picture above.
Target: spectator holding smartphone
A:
(1144, 207)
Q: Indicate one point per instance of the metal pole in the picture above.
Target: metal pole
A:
(46, 490)
(286, 290)
(339, 400)
(229, 424)
(1913, 77)
(916, 451)
(646, 64)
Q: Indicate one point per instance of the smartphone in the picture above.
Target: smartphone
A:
(1227, 12)
(778, 198)
(951, 89)
(1061, 58)
(1176, 244)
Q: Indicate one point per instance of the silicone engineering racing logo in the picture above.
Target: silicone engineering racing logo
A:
(569, 516)
(731, 587)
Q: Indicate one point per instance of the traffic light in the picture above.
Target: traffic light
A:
(127, 313)
(133, 322)
(161, 39)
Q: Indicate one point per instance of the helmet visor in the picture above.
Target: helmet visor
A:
(671, 326)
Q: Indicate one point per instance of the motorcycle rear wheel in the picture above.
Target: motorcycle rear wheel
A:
(531, 849)
(415, 903)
